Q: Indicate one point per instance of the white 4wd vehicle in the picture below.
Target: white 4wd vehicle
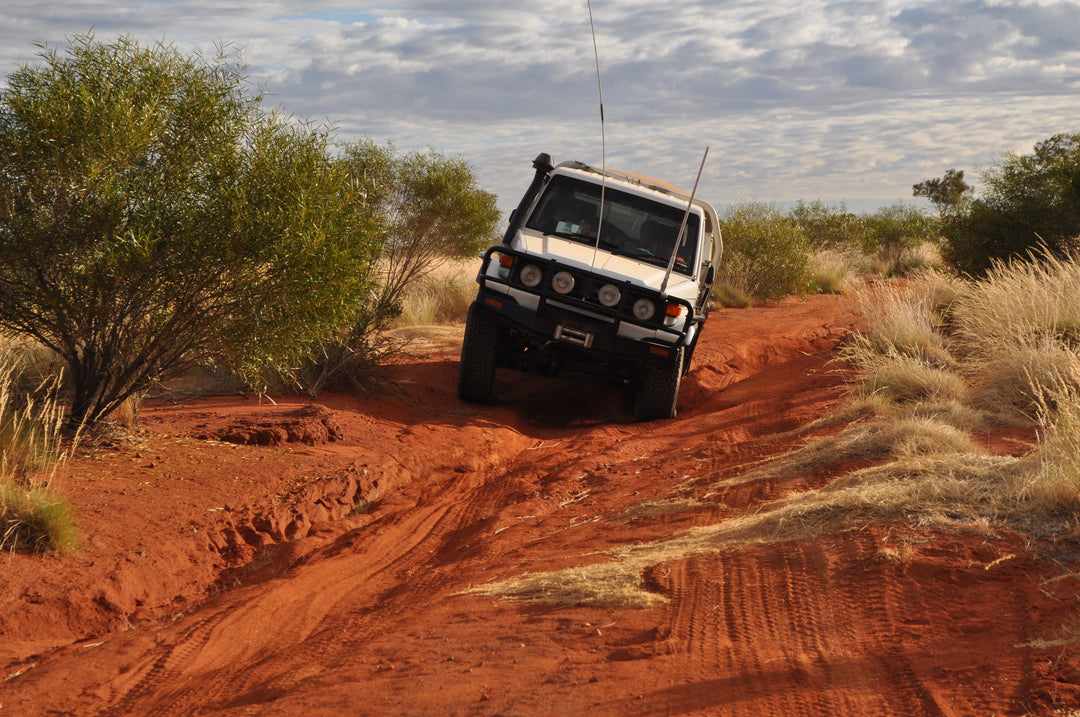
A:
(628, 303)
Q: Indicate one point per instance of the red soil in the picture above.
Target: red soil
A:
(309, 558)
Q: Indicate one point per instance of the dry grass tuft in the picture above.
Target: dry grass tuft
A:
(33, 517)
(1051, 485)
(441, 297)
(952, 490)
(837, 271)
(1041, 296)
(616, 585)
(938, 292)
(903, 325)
(907, 379)
(886, 437)
(731, 296)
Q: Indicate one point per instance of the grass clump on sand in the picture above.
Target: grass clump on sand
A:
(33, 516)
(940, 360)
(441, 297)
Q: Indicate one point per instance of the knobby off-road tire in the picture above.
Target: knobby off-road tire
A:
(658, 391)
(479, 355)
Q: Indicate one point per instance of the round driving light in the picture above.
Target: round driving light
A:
(644, 309)
(562, 282)
(609, 295)
(531, 275)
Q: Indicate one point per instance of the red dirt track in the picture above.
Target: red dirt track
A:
(310, 558)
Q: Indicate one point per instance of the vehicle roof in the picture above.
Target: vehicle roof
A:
(642, 180)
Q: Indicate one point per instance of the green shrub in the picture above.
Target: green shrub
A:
(155, 217)
(830, 227)
(766, 254)
(897, 233)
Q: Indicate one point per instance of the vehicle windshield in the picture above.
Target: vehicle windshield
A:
(633, 226)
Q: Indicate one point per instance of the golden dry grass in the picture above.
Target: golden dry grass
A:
(837, 271)
(922, 490)
(33, 515)
(902, 324)
(441, 297)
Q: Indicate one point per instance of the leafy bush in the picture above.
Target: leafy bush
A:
(948, 194)
(429, 209)
(766, 254)
(1029, 201)
(153, 217)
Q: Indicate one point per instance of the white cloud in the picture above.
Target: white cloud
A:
(830, 99)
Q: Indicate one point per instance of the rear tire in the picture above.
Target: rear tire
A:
(658, 391)
(479, 355)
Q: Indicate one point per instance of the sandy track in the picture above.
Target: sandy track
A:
(223, 579)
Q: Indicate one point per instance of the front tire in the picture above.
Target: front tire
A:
(479, 355)
(658, 391)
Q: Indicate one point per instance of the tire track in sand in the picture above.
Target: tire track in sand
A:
(782, 630)
(365, 583)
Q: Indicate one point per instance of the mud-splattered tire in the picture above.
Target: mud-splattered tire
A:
(479, 354)
(658, 391)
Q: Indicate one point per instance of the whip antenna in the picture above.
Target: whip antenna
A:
(682, 227)
(599, 90)
(603, 137)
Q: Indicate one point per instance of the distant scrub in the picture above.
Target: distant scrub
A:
(817, 248)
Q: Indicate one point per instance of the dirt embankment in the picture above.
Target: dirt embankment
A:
(313, 558)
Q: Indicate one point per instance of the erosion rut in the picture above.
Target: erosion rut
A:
(329, 576)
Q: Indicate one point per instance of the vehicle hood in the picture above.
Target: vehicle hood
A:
(619, 268)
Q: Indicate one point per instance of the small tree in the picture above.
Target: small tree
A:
(949, 193)
(431, 209)
(152, 216)
(1030, 203)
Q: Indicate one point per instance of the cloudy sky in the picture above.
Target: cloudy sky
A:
(838, 100)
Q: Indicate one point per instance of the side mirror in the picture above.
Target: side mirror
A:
(710, 274)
